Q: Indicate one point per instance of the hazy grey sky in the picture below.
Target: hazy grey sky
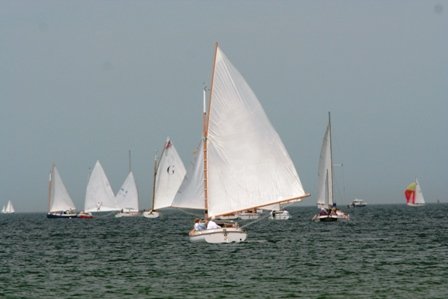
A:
(82, 81)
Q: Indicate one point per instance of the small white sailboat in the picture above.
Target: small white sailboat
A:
(169, 172)
(325, 202)
(99, 194)
(127, 197)
(8, 208)
(414, 195)
(241, 164)
(60, 204)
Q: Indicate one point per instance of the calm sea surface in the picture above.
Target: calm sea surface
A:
(385, 251)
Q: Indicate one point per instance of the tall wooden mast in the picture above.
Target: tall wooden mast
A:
(205, 120)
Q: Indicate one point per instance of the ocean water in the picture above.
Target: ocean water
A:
(385, 251)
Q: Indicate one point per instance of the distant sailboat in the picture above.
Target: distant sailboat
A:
(8, 209)
(99, 194)
(127, 196)
(242, 163)
(325, 202)
(60, 204)
(414, 195)
(169, 172)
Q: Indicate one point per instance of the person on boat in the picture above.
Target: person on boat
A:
(199, 225)
(212, 224)
(323, 212)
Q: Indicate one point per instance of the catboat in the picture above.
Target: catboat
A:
(328, 211)
(60, 204)
(414, 195)
(99, 194)
(169, 172)
(127, 197)
(241, 162)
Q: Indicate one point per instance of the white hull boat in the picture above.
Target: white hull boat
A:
(328, 211)
(279, 215)
(151, 214)
(219, 235)
(241, 163)
(60, 204)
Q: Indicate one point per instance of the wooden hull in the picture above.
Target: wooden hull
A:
(219, 235)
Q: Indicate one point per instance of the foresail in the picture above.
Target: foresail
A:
(325, 177)
(60, 199)
(127, 196)
(248, 165)
(99, 194)
(170, 174)
(191, 192)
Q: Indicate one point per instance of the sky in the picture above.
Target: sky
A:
(82, 81)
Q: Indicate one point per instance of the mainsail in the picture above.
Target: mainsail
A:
(127, 196)
(99, 194)
(59, 198)
(169, 175)
(325, 172)
(245, 162)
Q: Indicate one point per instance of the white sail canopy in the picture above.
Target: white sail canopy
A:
(248, 165)
(99, 194)
(60, 199)
(419, 199)
(169, 176)
(9, 208)
(127, 196)
(325, 172)
(191, 192)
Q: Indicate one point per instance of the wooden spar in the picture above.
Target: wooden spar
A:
(331, 158)
(50, 180)
(292, 199)
(205, 120)
(154, 174)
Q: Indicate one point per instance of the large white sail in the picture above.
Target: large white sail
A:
(169, 176)
(248, 165)
(325, 172)
(60, 199)
(127, 196)
(191, 192)
(419, 199)
(99, 194)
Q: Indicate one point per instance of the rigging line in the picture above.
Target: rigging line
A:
(253, 222)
